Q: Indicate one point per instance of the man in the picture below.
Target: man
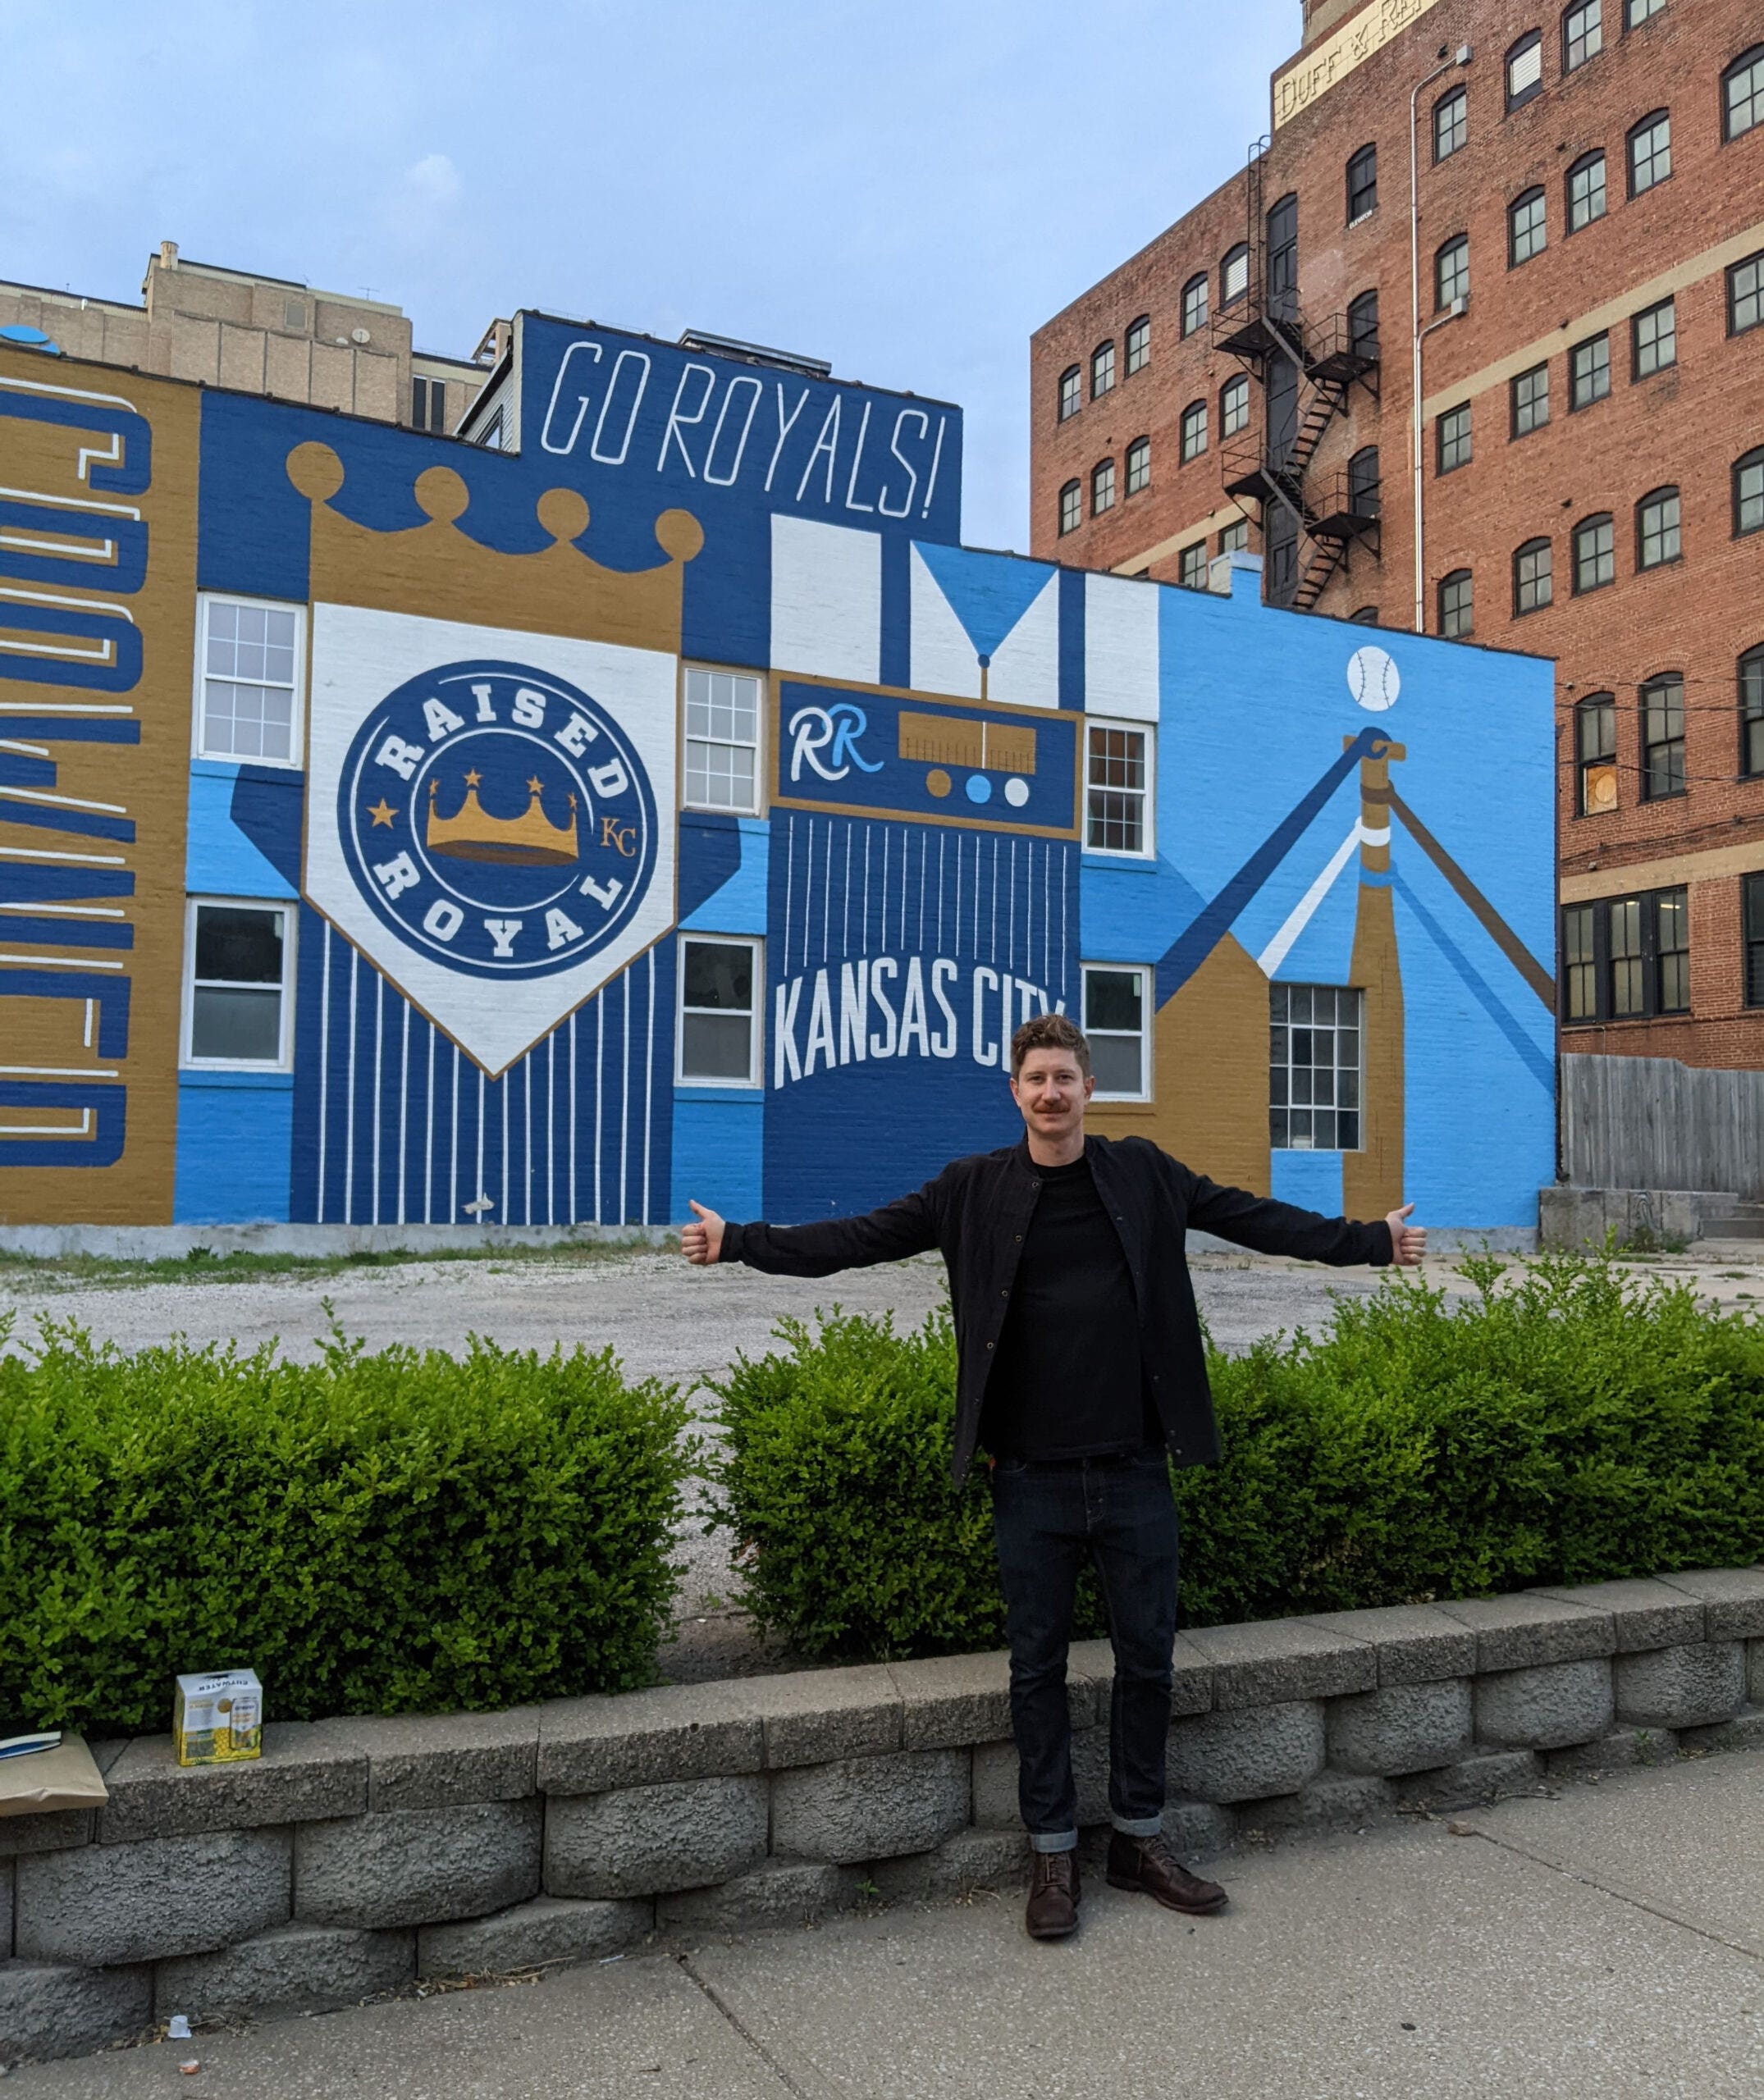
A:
(1082, 1371)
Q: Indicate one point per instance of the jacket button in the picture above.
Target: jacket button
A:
(988, 1344)
(1004, 1294)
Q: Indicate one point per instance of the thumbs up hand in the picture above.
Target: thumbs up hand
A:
(1408, 1242)
(702, 1244)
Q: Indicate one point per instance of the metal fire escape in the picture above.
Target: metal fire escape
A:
(1305, 371)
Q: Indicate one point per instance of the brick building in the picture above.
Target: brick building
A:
(1588, 246)
(256, 334)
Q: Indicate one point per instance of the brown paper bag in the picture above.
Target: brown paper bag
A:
(65, 1776)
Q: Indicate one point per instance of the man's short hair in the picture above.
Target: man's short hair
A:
(1049, 1031)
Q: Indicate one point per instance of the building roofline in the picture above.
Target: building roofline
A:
(1217, 190)
(68, 298)
(641, 335)
(265, 277)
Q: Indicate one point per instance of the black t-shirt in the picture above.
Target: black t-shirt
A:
(1068, 1382)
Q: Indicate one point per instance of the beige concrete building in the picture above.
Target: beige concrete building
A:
(257, 335)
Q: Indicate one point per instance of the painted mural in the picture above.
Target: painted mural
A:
(98, 519)
(666, 804)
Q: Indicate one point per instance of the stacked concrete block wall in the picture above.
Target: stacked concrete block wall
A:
(357, 1856)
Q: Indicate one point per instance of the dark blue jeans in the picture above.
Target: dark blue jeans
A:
(1049, 1519)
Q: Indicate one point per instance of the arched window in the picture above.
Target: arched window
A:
(1194, 430)
(1234, 406)
(1583, 33)
(1362, 324)
(1102, 487)
(1527, 232)
(1742, 93)
(1139, 465)
(1139, 344)
(1748, 492)
(1102, 369)
(1586, 191)
(1362, 480)
(1362, 183)
(1367, 616)
(1650, 150)
(1071, 391)
(1524, 69)
(1457, 604)
(1656, 528)
(1752, 711)
(1596, 755)
(1534, 581)
(1282, 265)
(1595, 553)
(1451, 123)
(1663, 735)
(1451, 271)
(1234, 274)
(1071, 507)
(1194, 303)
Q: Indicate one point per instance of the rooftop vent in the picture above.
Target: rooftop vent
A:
(731, 346)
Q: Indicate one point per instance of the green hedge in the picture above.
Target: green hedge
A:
(1563, 1424)
(371, 1533)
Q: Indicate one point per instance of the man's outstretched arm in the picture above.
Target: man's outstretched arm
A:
(1276, 1228)
(897, 1229)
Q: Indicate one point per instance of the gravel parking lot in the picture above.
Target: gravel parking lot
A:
(665, 1320)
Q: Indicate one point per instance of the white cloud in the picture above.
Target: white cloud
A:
(434, 179)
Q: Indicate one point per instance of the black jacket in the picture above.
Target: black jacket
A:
(977, 1213)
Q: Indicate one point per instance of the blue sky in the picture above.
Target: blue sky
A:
(905, 187)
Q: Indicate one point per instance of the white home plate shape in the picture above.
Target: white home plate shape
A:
(1374, 679)
(489, 815)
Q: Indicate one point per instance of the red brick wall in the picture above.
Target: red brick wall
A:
(1686, 426)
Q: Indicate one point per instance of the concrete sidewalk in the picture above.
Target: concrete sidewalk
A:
(1605, 1945)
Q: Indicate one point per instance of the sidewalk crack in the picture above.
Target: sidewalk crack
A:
(1752, 1951)
(797, 2092)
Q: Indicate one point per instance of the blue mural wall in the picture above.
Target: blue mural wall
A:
(1322, 806)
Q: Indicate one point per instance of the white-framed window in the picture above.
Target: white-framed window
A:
(1234, 406)
(1314, 1038)
(250, 674)
(1139, 344)
(1117, 776)
(721, 989)
(238, 985)
(1118, 1026)
(723, 714)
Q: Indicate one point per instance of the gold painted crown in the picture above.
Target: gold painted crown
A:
(438, 570)
(530, 840)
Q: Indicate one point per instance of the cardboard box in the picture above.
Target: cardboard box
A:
(218, 1719)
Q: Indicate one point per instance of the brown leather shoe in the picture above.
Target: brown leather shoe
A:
(1053, 1908)
(1149, 1866)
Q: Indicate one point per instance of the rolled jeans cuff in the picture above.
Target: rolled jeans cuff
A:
(1140, 1826)
(1053, 1841)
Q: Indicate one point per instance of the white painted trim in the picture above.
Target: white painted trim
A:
(284, 1061)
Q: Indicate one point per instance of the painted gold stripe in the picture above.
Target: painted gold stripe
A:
(1712, 261)
(1215, 521)
(1709, 866)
